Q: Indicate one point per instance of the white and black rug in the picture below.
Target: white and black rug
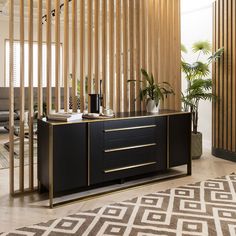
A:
(204, 208)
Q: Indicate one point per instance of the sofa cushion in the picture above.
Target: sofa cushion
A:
(4, 104)
(4, 116)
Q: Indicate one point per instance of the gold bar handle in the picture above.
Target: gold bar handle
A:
(130, 128)
(130, 167)
(130, 147)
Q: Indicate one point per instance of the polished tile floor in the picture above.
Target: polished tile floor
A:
(27, 210)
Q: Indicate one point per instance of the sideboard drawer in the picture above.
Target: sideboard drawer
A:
(129, 123)
(122, 138)
(127, 147)
(118, 159)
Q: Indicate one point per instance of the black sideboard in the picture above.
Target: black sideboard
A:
(77, 156)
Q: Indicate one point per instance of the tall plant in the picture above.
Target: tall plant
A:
(199, 85)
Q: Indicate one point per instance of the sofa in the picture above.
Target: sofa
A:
(5, 102)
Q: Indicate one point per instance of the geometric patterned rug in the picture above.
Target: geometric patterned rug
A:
(203, 208)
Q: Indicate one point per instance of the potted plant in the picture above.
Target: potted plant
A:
(153, 92)
(199, 87)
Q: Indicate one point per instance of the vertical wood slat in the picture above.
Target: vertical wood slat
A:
(30, 97)
(40, 87)
(177, 48)
(137, 54)
(213, 74)
(104, 51)
(143, 41)
(66, 56)
(221, 112)
(217, 79)
(225, 71)
(111, 54)
(125, 55)
(224, 76)
(57, 56)
(11, 96)
(49, 83)
(131, 56)
(82, 101)
(118, 55)
(96, 44)
(234, 77)
(149, 34)
(89, 46)
(170, 73)
(74, 56)
(229, 74)
(161, 42)
(22, 97)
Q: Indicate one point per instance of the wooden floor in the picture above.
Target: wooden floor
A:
(22, 211)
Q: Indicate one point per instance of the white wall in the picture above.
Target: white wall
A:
(197, 25)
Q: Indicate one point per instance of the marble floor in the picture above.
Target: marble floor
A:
(27, 210)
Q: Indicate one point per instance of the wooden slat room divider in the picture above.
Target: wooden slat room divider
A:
(224, 77)
(102, 40)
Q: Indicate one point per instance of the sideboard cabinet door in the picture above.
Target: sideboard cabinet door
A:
(69, 157)
(179, 139)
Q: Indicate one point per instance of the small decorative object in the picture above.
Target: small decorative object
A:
(94, 103)
(153, 92)
(108, 112)
(198, 87)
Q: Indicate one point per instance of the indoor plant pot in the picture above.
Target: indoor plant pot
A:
(151, 106)
(153, 92)
(196, 145)
(199, 88)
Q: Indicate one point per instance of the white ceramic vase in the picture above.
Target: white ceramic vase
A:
(151, 106)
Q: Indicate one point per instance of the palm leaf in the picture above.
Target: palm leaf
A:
(216, 55)
(183, 49)
(202, 46)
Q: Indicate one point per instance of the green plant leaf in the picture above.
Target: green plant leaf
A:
(183, 49)
(216, 55)
(202, 46)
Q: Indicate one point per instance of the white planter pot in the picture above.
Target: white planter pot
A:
(151, 106)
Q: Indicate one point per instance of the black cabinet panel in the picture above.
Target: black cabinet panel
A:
(69, 156)
(43, 151)
(120, 151)
(129, 123)
(179, 139)
(127, 138)
(96, 159)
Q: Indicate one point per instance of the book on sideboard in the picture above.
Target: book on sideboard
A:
(65, 116)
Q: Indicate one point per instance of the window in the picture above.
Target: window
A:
(16, 65)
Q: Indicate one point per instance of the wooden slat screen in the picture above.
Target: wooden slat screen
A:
(108, 40)
(224, 108)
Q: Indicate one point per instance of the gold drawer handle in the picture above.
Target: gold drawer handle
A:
(130, 147)
(129, 167)
(129, 128)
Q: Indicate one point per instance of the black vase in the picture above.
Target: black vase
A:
(94, 103)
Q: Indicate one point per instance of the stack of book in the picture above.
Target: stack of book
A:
(65, 116)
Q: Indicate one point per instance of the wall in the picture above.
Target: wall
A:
(224, 109)
(196, 23)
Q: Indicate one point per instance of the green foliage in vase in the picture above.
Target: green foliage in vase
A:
(199, 85)
(152, 90)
